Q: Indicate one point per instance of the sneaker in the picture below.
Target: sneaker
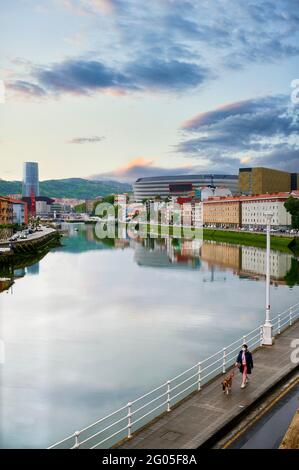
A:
(247, 380)
(243, 386)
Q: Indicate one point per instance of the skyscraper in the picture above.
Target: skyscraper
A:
(30, 179)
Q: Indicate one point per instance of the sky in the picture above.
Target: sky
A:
(124, 88)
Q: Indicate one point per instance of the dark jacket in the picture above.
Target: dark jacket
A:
(249, 361)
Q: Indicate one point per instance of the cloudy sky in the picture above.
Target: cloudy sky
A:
(126, 88)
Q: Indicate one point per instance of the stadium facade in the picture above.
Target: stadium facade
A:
(167, 186)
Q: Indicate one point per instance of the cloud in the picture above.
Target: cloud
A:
(85, 77)
(257, 131)
(84, 7)
(175, 46)
(25, 89)
(86, 140)
(142, 167)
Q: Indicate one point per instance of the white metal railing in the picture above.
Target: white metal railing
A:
(125, 421)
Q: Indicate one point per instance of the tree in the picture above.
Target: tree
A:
(292, 206)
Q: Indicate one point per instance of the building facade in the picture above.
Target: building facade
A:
(254, 208)
(181, 185)
(30, 179)
(222, 211)
(247, 211)
(261, 180)
(6, 211)
(20, 212)
(43, 205)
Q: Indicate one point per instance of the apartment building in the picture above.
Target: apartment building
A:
(6, 211)
(220, 211)
(254, 208)
(247, 211)
(20, 212)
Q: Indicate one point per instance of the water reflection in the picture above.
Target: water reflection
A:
(244, 261)
(94, 324)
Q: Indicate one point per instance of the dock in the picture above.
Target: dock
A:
(198, 419)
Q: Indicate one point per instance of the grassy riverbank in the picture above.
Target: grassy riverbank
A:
(281, 243)
(247, 238)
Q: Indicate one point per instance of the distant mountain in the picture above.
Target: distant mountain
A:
(78, 188)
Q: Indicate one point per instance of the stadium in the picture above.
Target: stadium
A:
(167, 186)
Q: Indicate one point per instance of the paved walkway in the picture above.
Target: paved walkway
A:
(196, 420)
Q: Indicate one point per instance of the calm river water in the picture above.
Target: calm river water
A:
(93, 325)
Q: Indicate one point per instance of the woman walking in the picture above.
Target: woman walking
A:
(245, 364)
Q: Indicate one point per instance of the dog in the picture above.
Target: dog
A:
(227, 383)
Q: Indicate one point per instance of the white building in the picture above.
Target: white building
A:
(254, 208)
(19, 212)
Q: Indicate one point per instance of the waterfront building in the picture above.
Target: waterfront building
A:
(181, 185)
(30, 179)
(261, 180)
(42, 205)
(120, 199)
(254, 208)
(6, 211)
(247, 211)
(222, 211)
(20, 212)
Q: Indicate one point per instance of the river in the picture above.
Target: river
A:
(94, 324)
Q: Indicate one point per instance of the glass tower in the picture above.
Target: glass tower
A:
(30, 179)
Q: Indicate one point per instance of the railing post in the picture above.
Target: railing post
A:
(291, 316)
(77, 443)
(168, 396)
(244, 339)
(129, 420)
(199, 375)
(279, 324)
(261, 335)
(224, 361)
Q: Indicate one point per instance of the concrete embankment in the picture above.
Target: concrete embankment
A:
(33, 245)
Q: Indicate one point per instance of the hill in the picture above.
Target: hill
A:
(78, 188)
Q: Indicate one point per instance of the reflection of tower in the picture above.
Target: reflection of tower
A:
(30, 179)
(33, 269)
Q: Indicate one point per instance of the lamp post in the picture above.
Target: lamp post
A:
(268, 328)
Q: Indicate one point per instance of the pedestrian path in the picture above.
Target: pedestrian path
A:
(199, 417)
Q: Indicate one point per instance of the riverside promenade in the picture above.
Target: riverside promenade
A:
(197, 419)
(34, 243)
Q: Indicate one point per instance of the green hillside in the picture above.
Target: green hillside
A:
(78, 188)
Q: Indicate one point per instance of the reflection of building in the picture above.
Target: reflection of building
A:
(265, 180)
(254, 262)
(6, 211)
(221, 254)
(33, 270)
(30, 179)
(168, 253)
(180, 185)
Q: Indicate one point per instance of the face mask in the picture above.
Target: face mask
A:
(243, 349)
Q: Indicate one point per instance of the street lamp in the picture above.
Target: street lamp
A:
(268, 328)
